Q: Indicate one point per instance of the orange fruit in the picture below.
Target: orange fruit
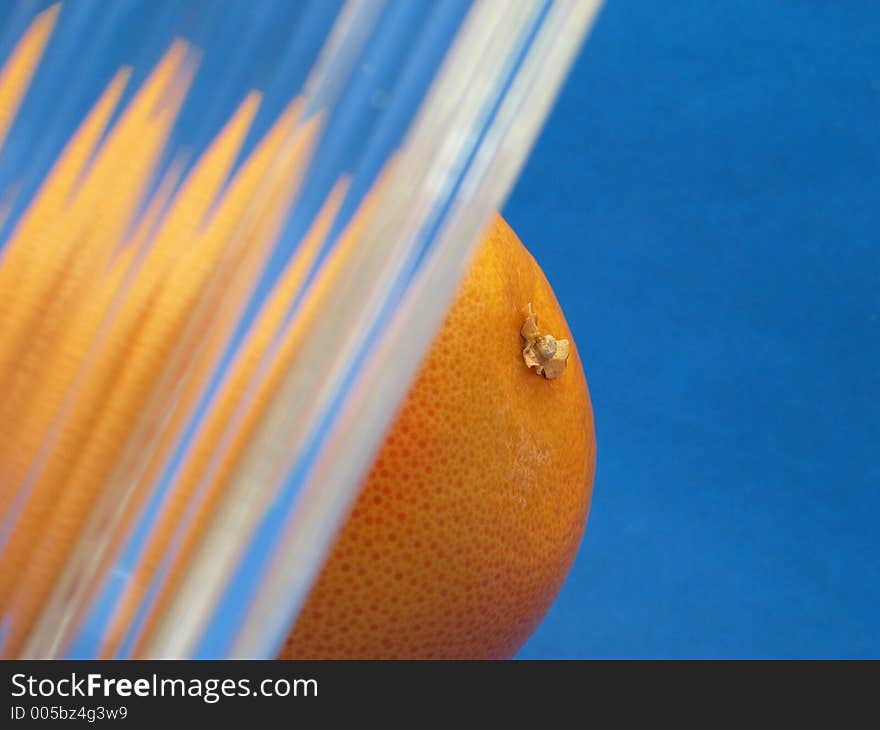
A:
(116, 316)
(470, 518)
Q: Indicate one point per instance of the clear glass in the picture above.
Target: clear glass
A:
(314, 177)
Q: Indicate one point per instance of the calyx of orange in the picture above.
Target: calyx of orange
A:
(543, 351)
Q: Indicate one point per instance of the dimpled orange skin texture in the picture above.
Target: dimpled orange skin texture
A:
(472, 514)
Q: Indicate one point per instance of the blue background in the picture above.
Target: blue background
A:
(705, 200)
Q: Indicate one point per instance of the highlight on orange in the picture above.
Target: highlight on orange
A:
(161, 394)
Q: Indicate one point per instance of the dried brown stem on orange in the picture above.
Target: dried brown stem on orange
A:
(543, 351)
